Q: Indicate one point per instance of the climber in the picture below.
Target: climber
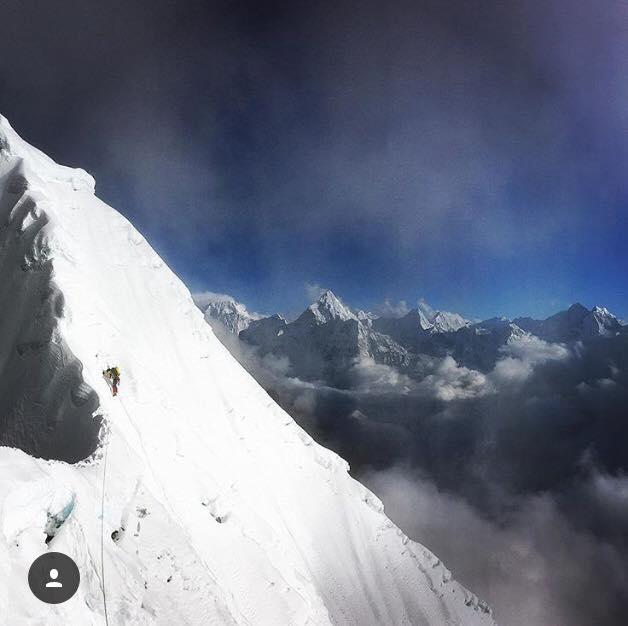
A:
(112, 374)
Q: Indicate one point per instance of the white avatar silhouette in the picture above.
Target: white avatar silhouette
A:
(54, 583)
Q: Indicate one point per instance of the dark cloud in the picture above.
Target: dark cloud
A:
(277, 134)
(533, 565)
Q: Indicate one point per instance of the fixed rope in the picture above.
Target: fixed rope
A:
(102, 535)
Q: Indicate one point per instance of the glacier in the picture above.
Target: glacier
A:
(191, 498)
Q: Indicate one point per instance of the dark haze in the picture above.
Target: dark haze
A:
(260, 145)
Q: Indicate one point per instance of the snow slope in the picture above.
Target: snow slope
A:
(226, 511)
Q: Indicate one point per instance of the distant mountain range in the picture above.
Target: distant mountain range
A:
(326, 339)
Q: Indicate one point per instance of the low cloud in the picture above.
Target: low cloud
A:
(203, 298)
(533, 565)
(371, 377)
(387, 308)
(425, 307)
(521, 355)
(451, 381)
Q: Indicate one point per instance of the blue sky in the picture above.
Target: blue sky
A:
(472, 155)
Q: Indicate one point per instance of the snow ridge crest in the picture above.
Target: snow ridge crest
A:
(38, 164)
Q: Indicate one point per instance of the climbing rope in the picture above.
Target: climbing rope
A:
(102, 535)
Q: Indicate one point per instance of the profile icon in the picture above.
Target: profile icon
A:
(54, 577)
(54, 583)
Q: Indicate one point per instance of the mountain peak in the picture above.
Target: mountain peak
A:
(225, 309)
(328, 296)
(578, 308)
(601, 310)
(421, 317)
(436, 320)
(329, 307)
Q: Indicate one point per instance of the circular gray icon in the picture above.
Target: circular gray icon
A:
(53, 577)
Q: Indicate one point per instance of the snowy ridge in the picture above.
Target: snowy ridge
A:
(575, 323)
(43, 166)
(226, 512)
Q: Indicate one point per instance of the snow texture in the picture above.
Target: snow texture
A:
(212, 505)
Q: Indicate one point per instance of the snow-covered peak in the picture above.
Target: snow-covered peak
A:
(576, 322)
(577, 310)
(500, 327)
(225, 309)
(601, 310)
(600, 322)
(439, 321)
(446, 322)
(329, 307)
(413, 320)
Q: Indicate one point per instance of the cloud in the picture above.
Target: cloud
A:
(451, 381)
(446, 380)
(203, 298)
(425, 307)
(521, 355)
(367, 376)
(533, 566)
(387, 308)
(534, 350)
(313, 291)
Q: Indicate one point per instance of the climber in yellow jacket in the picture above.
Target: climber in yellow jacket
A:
(112, 374)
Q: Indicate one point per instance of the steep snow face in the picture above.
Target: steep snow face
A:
(234, 316)
(224, 511)
(45, 405)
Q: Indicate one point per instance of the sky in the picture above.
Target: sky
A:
(470, 153)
